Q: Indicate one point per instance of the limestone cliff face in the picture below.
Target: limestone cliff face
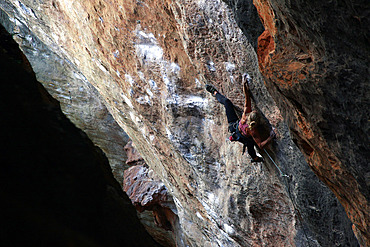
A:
(146, 63)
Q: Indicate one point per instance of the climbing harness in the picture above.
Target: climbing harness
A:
(300, 218)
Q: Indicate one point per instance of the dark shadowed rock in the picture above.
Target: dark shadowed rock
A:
(57, 188)
(314, 57)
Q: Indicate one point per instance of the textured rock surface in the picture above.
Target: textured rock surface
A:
(79, 100)
(147, 62)
(56, 186)
(315, 59)
(148, 193)
(157, 210)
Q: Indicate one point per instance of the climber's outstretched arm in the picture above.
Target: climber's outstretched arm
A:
(247, 103)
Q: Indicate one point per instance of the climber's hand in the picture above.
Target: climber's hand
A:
(246, 79)
(272, 134)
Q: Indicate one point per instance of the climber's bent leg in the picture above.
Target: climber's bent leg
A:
(250, 143)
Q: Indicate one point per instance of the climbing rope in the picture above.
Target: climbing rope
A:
(288, 178)
(281, 173)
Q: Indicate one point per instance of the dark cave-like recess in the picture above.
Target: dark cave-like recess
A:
(56, 187)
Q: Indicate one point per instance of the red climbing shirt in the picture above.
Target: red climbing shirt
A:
(247, 132)
(244, 129)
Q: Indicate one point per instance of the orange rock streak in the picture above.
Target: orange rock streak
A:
(284, 65)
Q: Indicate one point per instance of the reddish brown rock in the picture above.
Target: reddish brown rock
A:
(317, 73)
(133, 156)
(148, 193)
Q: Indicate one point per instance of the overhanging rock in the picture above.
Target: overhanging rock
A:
(147, 64)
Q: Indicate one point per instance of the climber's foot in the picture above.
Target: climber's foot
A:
(257, 159)
(211, 89)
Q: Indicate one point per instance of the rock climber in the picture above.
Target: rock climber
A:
(244, 130)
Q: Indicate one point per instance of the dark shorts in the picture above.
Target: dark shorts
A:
(233, 120)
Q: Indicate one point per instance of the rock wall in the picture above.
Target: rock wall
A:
(148, 194)
(315, 61)
(80, 101)
(146, 63)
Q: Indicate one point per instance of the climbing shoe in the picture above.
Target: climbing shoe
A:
(259, 159)
(211, 89)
